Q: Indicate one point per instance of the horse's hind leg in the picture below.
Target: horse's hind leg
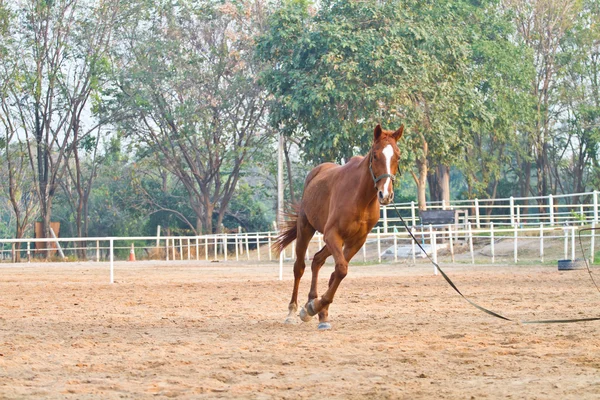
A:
(305, 234)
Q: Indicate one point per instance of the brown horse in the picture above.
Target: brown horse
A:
(342, 202)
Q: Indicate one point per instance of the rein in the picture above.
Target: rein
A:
(485, 310)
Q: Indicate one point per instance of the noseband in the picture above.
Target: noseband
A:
(380, 177)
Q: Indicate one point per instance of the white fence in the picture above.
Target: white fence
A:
(553, 210)
(517, 220)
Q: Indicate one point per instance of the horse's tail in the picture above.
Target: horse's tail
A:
(289, 230)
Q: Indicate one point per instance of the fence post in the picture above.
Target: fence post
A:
(512, 211)
(492, 242)
(573, 243)
(97, 251)
(477, 221)
(566, 242)
(237, 250)
(188, 249)
(247, 246)
(216, 248)
(412, 213)
(197, 248)
(433, 244)
(471, 242)
(516, 239)
(595, 206)
(28, 252)
(378, 244)
(258, 246)
(269, 244)
(167, 249)
(395, 244)
(592, 242)
(542, 242)
(112, 266)
(385, 220)
(225, 237)
(180, 249)
(157, 236)
(551, 207)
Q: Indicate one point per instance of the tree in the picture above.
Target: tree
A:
(542, 26)
(575, 151)
(14, 171)
(57, 52)
(186, 79)
(338, 71)
(499, 104)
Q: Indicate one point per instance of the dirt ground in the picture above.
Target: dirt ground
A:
(215, 330)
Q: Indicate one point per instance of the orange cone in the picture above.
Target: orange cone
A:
(131, 254)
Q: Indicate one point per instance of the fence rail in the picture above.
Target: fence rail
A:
(515, 220)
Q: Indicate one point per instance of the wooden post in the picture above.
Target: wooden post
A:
(477, 221)
(197, 248)
(471, 242)
(595, 197)
(385, 221)
(97, 251)
(157, 236)
(573, 243)
(258, 246)
(247, 246)
(395, 244)
(216, 247)
(593, 232)
(512, 211)
(378, 245)
(225, 247)
(111, 258)
(542, 242)
(188, 249)
(492, 242)
(515, 242)
(205, 248)
(566, 243)
(237, 251)
(412, 213)
(551, 207)
(180, 249)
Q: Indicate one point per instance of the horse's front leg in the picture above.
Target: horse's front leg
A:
(350, 249)
(317, 263)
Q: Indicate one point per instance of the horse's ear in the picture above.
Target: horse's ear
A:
(398, 134)
(377, 132)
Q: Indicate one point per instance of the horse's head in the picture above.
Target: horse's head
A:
(383, 162)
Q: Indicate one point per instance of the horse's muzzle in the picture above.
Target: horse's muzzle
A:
(385, 200)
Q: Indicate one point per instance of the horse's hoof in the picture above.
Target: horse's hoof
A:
(307, 313)
(290, 320)
(324, 326)
(304, 315)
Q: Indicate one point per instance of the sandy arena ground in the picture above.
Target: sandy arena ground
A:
(215, 330)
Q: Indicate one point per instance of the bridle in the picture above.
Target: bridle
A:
(380, 177)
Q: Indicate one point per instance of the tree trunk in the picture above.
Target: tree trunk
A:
(289, 174)
(421, 181)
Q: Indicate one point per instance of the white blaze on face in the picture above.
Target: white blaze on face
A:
(388, 152)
